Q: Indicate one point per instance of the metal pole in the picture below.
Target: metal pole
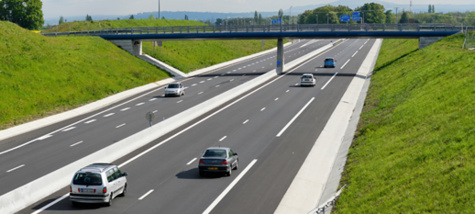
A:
(159, 15)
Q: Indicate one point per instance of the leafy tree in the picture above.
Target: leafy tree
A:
(61, 20)
(260, 19)
(131, 17)
(151, 17)
(219, 21)
(26, 13)
(186, 17)
(373, 13)
(281, 13)
(389, 16)
(433, 10)
(256, 17)
(430, 9)
(404, 18)
(88, 18)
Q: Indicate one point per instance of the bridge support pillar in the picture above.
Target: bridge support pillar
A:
(280, 56)
(425, 41)
(137, 46)
(131, 46)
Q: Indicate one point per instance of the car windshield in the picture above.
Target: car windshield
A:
(87, 179)
(216, 153)
(173, 86)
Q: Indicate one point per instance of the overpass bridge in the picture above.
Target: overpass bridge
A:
(131, 38)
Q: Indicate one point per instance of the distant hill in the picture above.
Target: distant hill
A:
(212, 16)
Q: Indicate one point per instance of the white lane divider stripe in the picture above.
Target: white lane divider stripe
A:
(139, 104)
(153, 99)
(179, 101)
(146, 194)
(228, 189)
(200, 93)
(125, 109)
(45, 137)
(223, 138)
(276, 99)
(75, 144)
(120, 125)
(69, 129)
(329, 81)
(354, 54)
(90, 121)
(191, 161)
(262, 109)
(295, 117)
(11, 170)
(108, 115)
(51, 204)
(345, 64)
(245, 122)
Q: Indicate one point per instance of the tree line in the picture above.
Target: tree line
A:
(26, 13)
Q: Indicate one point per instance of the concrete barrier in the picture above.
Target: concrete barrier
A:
(42, 187)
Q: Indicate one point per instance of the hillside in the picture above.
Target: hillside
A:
(40, 76)
(414, 148)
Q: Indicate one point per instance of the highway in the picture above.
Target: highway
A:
(29, 156)
(165, 179)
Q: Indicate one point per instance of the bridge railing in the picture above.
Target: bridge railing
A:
(265, 28)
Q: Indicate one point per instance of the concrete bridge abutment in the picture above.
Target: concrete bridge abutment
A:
(426, 41)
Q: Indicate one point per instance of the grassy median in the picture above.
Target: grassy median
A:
(414, 148)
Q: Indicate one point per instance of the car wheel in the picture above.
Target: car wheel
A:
(109, 203)
(202, 173)
(124, 191)
(236, 166)
(229, 172)
(75, 204)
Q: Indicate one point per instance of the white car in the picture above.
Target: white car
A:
(174, 89)
(307, 80)
(97, 183)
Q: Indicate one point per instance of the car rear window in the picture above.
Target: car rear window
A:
(215, 153)
(87, 179)
(173, 86)
(328, 60)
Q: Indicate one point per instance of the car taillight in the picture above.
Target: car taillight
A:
(104, 190)
(70, 189)
(224, 163)
(202, 162)
(94, 190)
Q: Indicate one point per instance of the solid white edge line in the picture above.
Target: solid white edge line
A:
(295, 117)
(191, 161)
(329, 81)
(146, 194)
(11, 170)
(51, 204)
(231, 185)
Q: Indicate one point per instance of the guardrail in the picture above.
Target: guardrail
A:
(266, 28)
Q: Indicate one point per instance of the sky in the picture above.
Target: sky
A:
(57, 8)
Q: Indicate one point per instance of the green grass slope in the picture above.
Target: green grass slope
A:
(192, 55)
(414, 150)
(98, 25)
(40, 76)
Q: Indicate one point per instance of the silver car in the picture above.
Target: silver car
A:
(307, 80)
(175, 89)
(218, 160)
(97, 183)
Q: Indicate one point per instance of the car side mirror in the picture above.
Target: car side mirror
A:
(235, 154)
(124, 174)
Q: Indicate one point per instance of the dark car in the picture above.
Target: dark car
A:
(218, 160)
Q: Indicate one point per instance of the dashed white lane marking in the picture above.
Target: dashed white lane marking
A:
(216, 76)
(276, 99)
(191, 161)
(11, 170)
(75, 144)
(194, 85)
(329, 81)
(245, 122)
(69, 129)
(179, 101)
(200, 93)
(262, 109)
(146, 194)
(153, 99)
(139, 104)
(295, 117)
(202, 81)
(225, 192)
(223, 138)
(217, 86)
(209, 79)
(254, 70)
(354, 54)
(45, 137)
(361, 47)
(120, 125)
(287, 91)
(231, 80)
(345, 64)
(155, 111)
(108, 115)
(125, 109)
(90, 121)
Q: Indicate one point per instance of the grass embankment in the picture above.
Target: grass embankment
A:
(40, 76)
(414, 149)
(98, 25)
(192, 55)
